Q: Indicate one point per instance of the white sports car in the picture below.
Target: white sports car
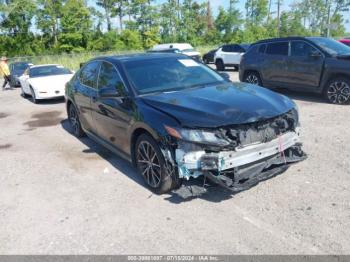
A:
(45, 81)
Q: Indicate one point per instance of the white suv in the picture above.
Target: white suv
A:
(229, 55)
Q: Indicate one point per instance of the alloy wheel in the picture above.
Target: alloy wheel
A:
(252, 79)
(73, 119)
(149, 164)
(338, 92)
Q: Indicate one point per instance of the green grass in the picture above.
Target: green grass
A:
(72, 61)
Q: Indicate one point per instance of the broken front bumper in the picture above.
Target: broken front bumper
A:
(243, 166)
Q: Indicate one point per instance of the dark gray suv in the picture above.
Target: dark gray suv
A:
(312, 64)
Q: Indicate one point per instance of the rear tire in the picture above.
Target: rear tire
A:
(220, 66)
(74, 121)
(152, 166)
(337, 91)
(252, 77)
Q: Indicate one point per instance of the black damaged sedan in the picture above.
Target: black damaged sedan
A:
(175, 118)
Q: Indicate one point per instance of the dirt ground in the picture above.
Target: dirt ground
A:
(62, 195)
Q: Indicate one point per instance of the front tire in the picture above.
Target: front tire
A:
(74, 121)
(24, 95)
(220, 66)
(152, 166)
(337, 91)
(34, 100)
(252, 78)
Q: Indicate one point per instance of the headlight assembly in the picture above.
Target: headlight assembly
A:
(196, 136)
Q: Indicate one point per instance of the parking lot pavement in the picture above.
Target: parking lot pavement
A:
(62, 195)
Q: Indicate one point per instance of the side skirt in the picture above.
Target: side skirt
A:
(107, 145)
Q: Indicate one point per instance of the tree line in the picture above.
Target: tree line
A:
(31, 27)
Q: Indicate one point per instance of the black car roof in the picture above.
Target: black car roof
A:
(138, 57)
(281, 39)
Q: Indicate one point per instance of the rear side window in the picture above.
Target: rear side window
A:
(279, 48)
(301, 48)
(262, 48)
(88, 75)
(253, 49)
(227, 48)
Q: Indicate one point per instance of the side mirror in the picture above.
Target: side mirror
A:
(315, 54)
(109, 92)
(226, 76)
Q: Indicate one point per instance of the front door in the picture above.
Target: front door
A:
(111, 108)
(305, 65)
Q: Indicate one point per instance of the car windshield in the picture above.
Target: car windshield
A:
(20, 66)
(169, 74)
(48, 71)
(331, 46)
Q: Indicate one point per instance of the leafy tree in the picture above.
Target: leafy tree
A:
(228, 22)
(338, 29)
(119, 9)
(47, 18)
(151, 37)
(256, 11)
(131, 39)
(17, 16)
(75, 26)
(106, 42)
(169, 21)
(107, 5)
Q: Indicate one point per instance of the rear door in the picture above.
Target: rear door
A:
(274, 69)
(112, 113)
(305, 65)
(84, 90)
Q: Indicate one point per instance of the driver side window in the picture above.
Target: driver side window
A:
(301, 49)
(89, 73)
(109, 78)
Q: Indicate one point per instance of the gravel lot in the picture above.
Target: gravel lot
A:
(61, 195)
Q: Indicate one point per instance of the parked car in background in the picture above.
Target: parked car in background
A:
(45, 81)
(168, 50)
(209, 57)
(17, 69)
(183, 48)
(229, 56)
(313, 64)
(345, 41)
(175, 118)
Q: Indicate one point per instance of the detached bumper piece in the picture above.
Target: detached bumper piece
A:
(244, 177)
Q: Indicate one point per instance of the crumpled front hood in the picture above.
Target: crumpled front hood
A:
(221, 105)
